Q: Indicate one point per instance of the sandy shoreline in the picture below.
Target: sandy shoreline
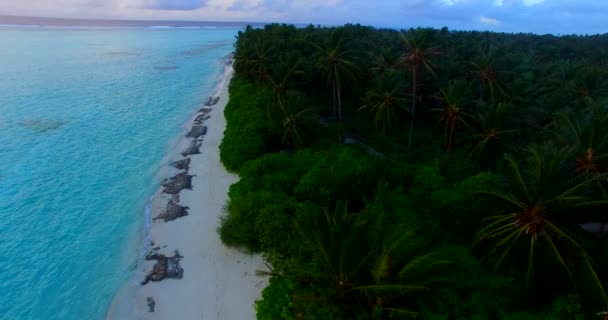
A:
(217, 282)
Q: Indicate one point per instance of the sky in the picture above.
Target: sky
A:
(536, 16)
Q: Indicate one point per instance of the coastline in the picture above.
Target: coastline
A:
(187, 271)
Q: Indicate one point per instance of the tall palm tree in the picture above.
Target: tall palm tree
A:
(538, 202)
(294, 125)
(336, 62)
(576, 84)
(586, 132)
(384, 102)
(415, 56)
(453, 114)
(485, 72)
(491, 135)
(280, 80)
(252, 57)
(384, 61)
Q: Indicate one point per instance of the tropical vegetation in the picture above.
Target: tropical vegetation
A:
(422, 173)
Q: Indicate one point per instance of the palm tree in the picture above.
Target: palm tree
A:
(575, 84)
(491, 135)
(279, 82)
(487, 75)
(294, 125)
(415, 56)
(396, 271)
(252, 58)
(362, 256)
(587, 134)
(396, 267)
(384, 102)
(336, 62)
(384, 61)
(452, 113)
(331, 240)
(539, 201)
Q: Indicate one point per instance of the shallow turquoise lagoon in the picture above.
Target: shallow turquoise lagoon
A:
(86, 116)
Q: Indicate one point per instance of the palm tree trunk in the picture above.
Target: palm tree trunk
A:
(337, 88)
(450, 139)
(339, 103)
(333, 92)
(413, 109)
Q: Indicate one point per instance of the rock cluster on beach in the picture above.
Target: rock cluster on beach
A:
(197, 131)
(212, 101)
(177, 183)
(173, 211)
(164, 268)
(183, 164)
(168, 267)
(193, 148)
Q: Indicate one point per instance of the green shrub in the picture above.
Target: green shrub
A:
(343, 173)
(236, 226)
(281, 302)
(249, 133)
(276, 301)
(273, 224)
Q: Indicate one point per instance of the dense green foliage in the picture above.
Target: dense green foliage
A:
(425, 174)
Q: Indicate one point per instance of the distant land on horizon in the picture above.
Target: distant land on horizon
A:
(68, 22)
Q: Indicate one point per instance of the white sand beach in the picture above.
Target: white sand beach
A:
(218, 282)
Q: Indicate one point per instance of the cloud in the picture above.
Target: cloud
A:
(538, 16)
(173, 4)
(489, 21)
(532, 2)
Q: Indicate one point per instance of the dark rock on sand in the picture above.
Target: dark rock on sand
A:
(164, 268)
(197, 131)
(212, 101)
(201, 118)
(177, 183)
(193, 148)
(174, 270)
(173, 211)
(204, 111)
(229, 59)
(151, 304)
(183, 164)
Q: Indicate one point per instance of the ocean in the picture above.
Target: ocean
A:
(86, 117)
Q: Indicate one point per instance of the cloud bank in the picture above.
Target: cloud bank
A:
(537, 16)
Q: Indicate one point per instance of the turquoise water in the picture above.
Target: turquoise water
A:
(86, 115)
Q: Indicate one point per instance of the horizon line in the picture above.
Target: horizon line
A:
(17, 21)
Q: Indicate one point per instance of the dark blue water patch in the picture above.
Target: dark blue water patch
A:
(166, 68)
(203, 49)
(43, 125)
